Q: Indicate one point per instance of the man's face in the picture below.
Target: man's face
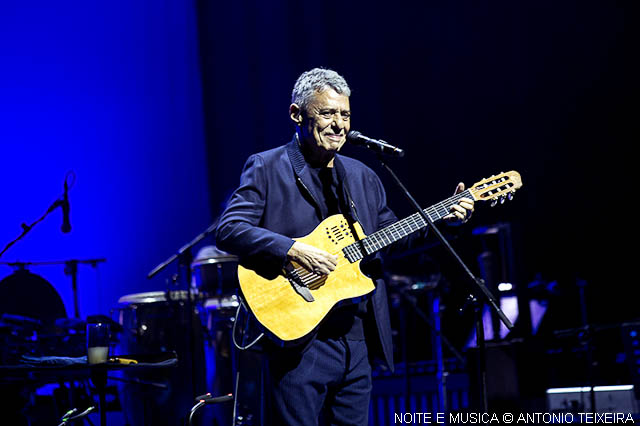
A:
(325, 123)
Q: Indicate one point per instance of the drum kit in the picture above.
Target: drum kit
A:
(194, 324)
(197, 326)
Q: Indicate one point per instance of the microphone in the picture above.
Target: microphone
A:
(66, 223)
(380, 146)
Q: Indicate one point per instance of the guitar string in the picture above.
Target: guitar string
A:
(308, 277)
(403, 225)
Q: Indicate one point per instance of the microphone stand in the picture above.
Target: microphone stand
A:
(185, 258)
(58, 203)
(478, 289)
(26, 228)
(183, 250)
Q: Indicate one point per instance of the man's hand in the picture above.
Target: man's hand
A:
(312, 259)
(461, 212)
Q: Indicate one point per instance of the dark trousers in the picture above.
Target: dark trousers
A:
(329, 383)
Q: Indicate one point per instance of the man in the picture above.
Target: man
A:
(285, 193)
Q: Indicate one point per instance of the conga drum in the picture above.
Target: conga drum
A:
(154, 323)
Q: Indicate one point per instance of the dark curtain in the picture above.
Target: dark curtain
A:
(469, 89)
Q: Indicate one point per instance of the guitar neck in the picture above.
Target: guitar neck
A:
(392, 233)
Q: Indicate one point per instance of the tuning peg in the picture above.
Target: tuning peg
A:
(502, 198)
(494, 202)
(510, 195)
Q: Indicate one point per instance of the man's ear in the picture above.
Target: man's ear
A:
(295, 112)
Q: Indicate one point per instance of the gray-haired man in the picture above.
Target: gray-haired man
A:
(285, 193)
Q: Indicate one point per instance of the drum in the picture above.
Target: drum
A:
(214, 273)
(29, 295)
(223, 306)
(29, 309)
(153, 323)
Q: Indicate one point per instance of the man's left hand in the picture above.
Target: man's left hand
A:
(462, 211)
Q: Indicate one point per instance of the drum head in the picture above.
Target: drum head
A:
(25, 294)
(214, 272)
(211, 254)
(153, 297)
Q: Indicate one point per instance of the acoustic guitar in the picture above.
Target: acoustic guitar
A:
(293, 304)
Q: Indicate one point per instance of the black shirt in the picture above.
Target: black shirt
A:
(346, 320)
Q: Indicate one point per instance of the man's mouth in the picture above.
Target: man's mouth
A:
(335, 138)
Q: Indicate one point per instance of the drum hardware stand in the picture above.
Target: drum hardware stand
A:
(478, 288)
(207, 399)
(71, 268)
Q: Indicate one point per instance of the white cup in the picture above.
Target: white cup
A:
(97, 354)
(97, 342)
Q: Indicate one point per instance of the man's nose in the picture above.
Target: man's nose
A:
(338, 122)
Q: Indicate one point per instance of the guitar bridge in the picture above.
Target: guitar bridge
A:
(296, 282)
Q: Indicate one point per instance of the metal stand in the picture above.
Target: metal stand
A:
(207, 399)
(71, 268)
(439, 340)
(58, 203)
(477, 288)
(185, 258)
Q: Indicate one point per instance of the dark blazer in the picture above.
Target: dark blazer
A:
(275, 202)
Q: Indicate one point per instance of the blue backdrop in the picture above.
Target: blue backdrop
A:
(111, 91)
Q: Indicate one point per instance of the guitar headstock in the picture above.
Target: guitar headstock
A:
(497, 188)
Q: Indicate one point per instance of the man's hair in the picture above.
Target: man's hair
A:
(317, 80)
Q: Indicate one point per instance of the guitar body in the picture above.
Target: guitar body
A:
(284, 311)
(293, 304)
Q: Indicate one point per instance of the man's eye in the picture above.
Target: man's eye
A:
(346, 115)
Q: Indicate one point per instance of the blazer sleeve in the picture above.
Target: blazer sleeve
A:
(238, 231)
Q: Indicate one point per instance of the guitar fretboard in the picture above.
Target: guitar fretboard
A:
(392, 233)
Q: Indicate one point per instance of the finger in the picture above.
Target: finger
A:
(466, 206)
(459, 188)
(458, 209)
(329, 267)
(325, 264)
(330, 261)
(454, 217)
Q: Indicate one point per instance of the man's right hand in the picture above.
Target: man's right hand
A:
(312, 259)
